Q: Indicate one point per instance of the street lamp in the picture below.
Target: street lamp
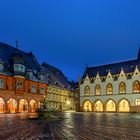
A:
(68, 102)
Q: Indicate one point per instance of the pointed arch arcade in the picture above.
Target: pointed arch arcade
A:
(123, 105)
(110, 106)
(87, 106)
(98, 106)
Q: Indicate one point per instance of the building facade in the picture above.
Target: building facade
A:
(22, 88)
(111, 88)
(61, 95)
(60, 99)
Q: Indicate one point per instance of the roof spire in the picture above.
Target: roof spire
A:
(17, 44)
(138, 54)
(86, 66)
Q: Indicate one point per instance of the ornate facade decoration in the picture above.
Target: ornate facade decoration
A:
(117, 84)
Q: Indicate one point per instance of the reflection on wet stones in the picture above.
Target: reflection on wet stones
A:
(90, 126)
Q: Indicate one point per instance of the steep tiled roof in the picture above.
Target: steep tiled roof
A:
(7, 51)
(53, 76)
(128, 67)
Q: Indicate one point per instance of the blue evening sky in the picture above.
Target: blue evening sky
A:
(72, 33)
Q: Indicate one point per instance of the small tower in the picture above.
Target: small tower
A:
(17, 44)
(138, 54)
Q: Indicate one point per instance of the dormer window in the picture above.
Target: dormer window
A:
(19, 68)
(41, 77)
(1, 67)
(30, 74)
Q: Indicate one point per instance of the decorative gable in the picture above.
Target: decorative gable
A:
(122, 74)
(136, 72)
(87, 80)
(97, 78)
(109, 76)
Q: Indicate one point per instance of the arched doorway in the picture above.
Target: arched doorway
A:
(87, 106)
(98, 106)
(110, 106)
(12, 105)
(2, 106)
(33, 106)
(23, 105)
(124, 106)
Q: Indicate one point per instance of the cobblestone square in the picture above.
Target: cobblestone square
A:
(73, 126)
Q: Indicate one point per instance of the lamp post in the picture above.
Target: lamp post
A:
(68, 103)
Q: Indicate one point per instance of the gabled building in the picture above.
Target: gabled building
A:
(22, 85)
(61, 95)
(111, 88)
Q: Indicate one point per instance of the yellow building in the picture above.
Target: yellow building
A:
(60, 95)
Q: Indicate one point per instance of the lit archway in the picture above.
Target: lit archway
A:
(2, 106)
(110, 106)
(98, 106)
(33, 106)
(23, 105)
(12, 105)
(39, 105)
(124, 106)
(87, 106)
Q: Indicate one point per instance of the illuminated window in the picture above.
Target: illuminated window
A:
(1, 83)
(109, 89)
(137, 102)
(122, 87)
(87, 90)
(97, 90)
(136, 87)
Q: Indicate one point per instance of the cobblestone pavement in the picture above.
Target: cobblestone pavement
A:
(99, 126)
(19, 127)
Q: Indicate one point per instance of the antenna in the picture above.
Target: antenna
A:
(16, 44)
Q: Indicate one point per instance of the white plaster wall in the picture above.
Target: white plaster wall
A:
(131, 97)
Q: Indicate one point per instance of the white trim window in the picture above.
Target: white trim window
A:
(19, 68)
(19, 85)
(42, 90)
(1, 67)
(33, 88)
(1, 83)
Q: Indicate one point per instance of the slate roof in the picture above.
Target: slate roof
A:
(53, 76)
(128, 67)
(7, 51)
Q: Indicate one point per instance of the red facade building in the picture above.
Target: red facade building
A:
(22, 86)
